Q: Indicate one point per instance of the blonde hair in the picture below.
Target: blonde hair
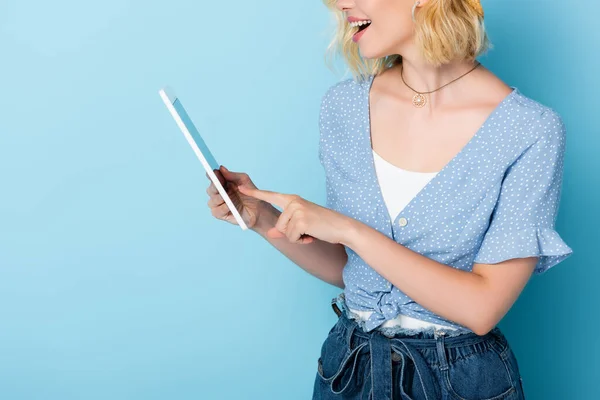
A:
(445, 31)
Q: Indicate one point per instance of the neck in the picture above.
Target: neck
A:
(423, 77)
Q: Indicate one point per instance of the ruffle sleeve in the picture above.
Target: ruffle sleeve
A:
(523, 221)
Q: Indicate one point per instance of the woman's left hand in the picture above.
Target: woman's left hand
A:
(301, 217)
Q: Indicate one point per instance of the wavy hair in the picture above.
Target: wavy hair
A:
(445, 31)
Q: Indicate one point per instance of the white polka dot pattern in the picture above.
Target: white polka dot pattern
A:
(497, 199)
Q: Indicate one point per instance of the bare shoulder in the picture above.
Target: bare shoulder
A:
(488, 89)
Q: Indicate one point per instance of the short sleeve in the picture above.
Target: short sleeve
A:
(523, 222)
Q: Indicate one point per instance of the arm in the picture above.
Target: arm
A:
(322, 259)
(521, 239)
(486, 294)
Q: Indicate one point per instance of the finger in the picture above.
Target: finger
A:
(283, 220)
(279, 199)
(296, 229)
(239, 178)
(218, 174)
(273, 233)
(295, 226)
(215, 201)
(306, 239)
(221, 212)
(211, 190)
(220, 177)
(212, 187)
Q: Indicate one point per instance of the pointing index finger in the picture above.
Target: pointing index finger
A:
(278, 199)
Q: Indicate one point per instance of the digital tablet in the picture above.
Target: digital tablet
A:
(199, 146)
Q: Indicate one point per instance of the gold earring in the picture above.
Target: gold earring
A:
(413, 9)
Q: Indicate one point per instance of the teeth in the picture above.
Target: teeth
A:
(360, 23)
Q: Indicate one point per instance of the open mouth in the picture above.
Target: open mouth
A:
(363, 27)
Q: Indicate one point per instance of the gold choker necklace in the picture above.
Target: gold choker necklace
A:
(419, 100)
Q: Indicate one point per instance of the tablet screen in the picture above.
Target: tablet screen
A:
(195, 134)
(202, 151)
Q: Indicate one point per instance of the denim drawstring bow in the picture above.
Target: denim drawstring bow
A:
(382, 350)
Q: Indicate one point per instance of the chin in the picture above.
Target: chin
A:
(371, 51)
(371, 54)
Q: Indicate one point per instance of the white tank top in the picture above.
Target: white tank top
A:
(398, 187)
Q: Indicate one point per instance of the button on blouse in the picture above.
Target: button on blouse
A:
(495, 200)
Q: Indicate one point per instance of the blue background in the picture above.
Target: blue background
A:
(110, 284)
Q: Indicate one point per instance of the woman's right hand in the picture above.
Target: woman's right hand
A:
(249, 208)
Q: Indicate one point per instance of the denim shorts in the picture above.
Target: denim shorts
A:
(421, 365)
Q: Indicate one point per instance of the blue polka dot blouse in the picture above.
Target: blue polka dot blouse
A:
(497, 198)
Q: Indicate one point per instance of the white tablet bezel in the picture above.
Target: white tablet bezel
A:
(169, 98)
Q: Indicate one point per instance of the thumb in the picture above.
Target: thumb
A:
(234, 177)
(274, 233)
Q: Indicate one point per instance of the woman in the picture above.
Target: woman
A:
(443, 185)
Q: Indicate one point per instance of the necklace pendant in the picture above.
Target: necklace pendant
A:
(419, 100)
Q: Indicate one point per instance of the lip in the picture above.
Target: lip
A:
(354, 19)
(356, 37)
